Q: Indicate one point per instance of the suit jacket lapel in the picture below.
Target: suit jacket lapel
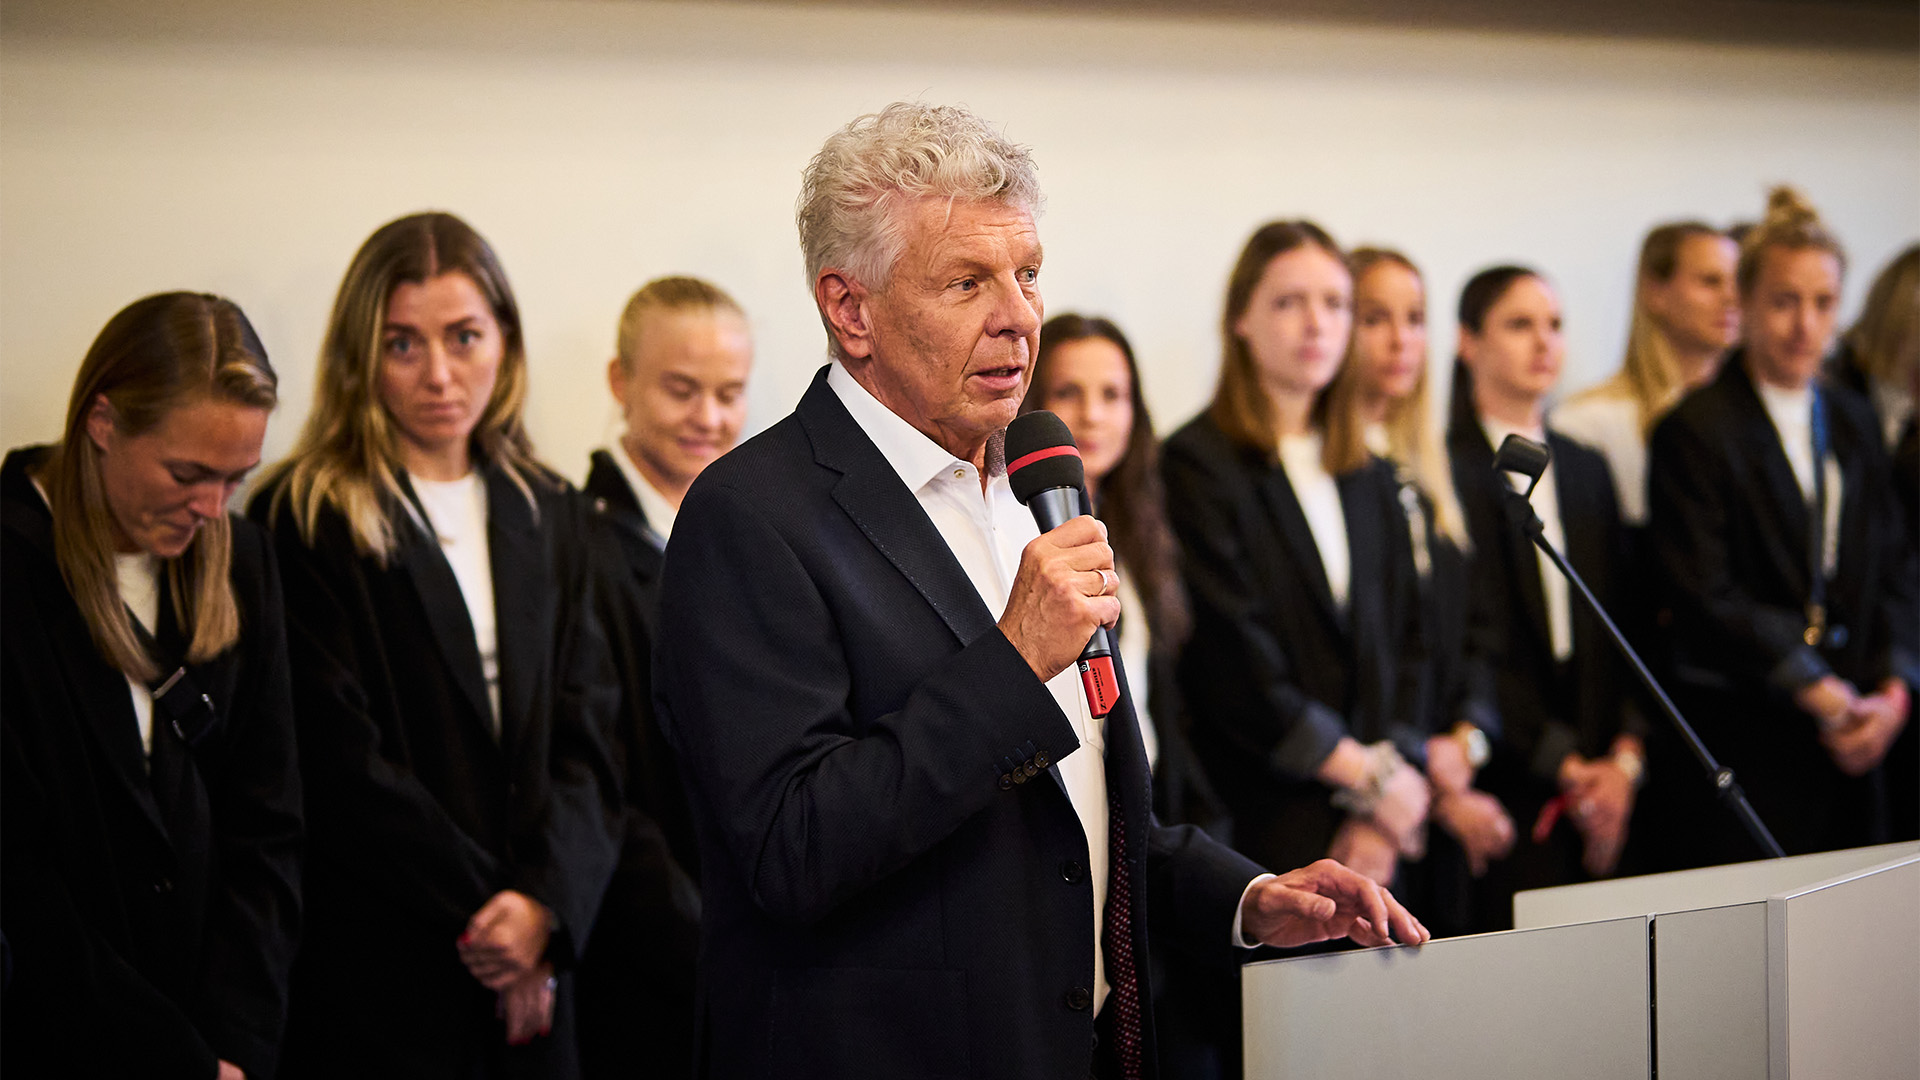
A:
(1761, 444)
(1523, 559)
(1366, 534)
(872, 495)
(426, 567)
(614, 497)
(1277, 492)
(522, 602)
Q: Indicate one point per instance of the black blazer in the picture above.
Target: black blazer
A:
(852, 724)
(1546, 709)
(636, 977)
(418, 814)
(1729, 527)
(1274, 673)
(152, 908)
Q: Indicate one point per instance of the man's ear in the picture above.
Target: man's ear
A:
(100, 422)
(843, 307)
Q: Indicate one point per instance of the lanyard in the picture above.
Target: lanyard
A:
(1817, 528)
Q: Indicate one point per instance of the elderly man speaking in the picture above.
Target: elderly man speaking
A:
(865, 639)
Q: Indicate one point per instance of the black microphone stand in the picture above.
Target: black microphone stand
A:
(1530, 459)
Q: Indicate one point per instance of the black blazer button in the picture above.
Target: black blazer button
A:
(162, 886)
(1041, 760)
(1072, 871)
(1006, 781)
(1019, 775)
(1030, 770)
(1079, 999)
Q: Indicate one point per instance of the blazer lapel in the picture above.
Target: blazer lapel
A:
(871, 493)
(1277, 492)
(1366, 537)
(522, 601)
(1523, 560)
(426, 567)
(615, 498)
(1760, 443)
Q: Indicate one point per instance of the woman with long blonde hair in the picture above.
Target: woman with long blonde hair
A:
(450, 678)
(1383, 386)
(151, 798)
(1686, 315)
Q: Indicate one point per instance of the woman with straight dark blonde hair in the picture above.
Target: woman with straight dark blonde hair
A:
(1796, 625)
(1291, 535)
(151, 797)
(452, 683)
(1384, 384)
(1686, 315)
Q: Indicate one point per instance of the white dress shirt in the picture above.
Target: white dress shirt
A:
(457, 510)
(660, 513)
(1546, 503)
(1792, 415)
(1610, 423)
(138, 576)
(1136, 644)
(1319, 497)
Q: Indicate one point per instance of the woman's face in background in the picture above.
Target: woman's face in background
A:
(1297, 319)
(1519, 350)
(1389, 330)
(1792, 314)
(1086, 383)
(1699, 307)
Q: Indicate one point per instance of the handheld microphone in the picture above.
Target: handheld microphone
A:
(1048, 477)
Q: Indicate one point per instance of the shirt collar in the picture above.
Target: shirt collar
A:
(916, 458)
(653, 505)
(1788, 408)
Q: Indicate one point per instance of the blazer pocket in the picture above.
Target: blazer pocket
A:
(848, 1023)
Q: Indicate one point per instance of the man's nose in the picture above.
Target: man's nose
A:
(1017, 314)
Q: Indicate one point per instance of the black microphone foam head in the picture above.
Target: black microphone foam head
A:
(1041, 455)
(1522, 455)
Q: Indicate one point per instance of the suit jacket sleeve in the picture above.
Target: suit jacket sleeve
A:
(569, 869)
(254, 789)
(754, 688)
(1688, 488)
(426, 860)
(1280, 723)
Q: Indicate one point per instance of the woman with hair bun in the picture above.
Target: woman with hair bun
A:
(1568, 755)
(453, 687)
(151, 797)
(1773, 522)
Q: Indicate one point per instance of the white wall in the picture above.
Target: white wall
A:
(248, 149)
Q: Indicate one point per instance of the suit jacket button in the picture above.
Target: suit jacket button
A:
(1041, 760)
(1029, 769)
(1006, 781)
(1079, 999)
(162, 886)
(1019, 775)
(1072, 871)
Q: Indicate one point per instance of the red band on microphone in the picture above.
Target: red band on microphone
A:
(1025, 460)
(1101, 684)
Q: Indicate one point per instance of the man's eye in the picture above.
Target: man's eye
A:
(966, 285)
(1030, 275)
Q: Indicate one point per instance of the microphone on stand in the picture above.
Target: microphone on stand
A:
(1529, 459)
(1048, 477)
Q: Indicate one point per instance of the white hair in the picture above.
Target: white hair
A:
(853, 189)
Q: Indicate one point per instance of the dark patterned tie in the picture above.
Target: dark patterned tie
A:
(1117, 940)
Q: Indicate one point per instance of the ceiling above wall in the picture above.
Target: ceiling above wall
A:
(1880, 25)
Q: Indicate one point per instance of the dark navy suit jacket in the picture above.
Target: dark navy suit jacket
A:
(895, 883)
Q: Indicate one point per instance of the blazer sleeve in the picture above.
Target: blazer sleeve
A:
(71, 987)
(569, 869)
(1279, 722)
(354, 787)
(753, 687)
(254, 791)
(1689, 485)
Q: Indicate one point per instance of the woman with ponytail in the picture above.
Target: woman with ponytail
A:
(151, 814)
(1568, 755)
(1779, 540)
